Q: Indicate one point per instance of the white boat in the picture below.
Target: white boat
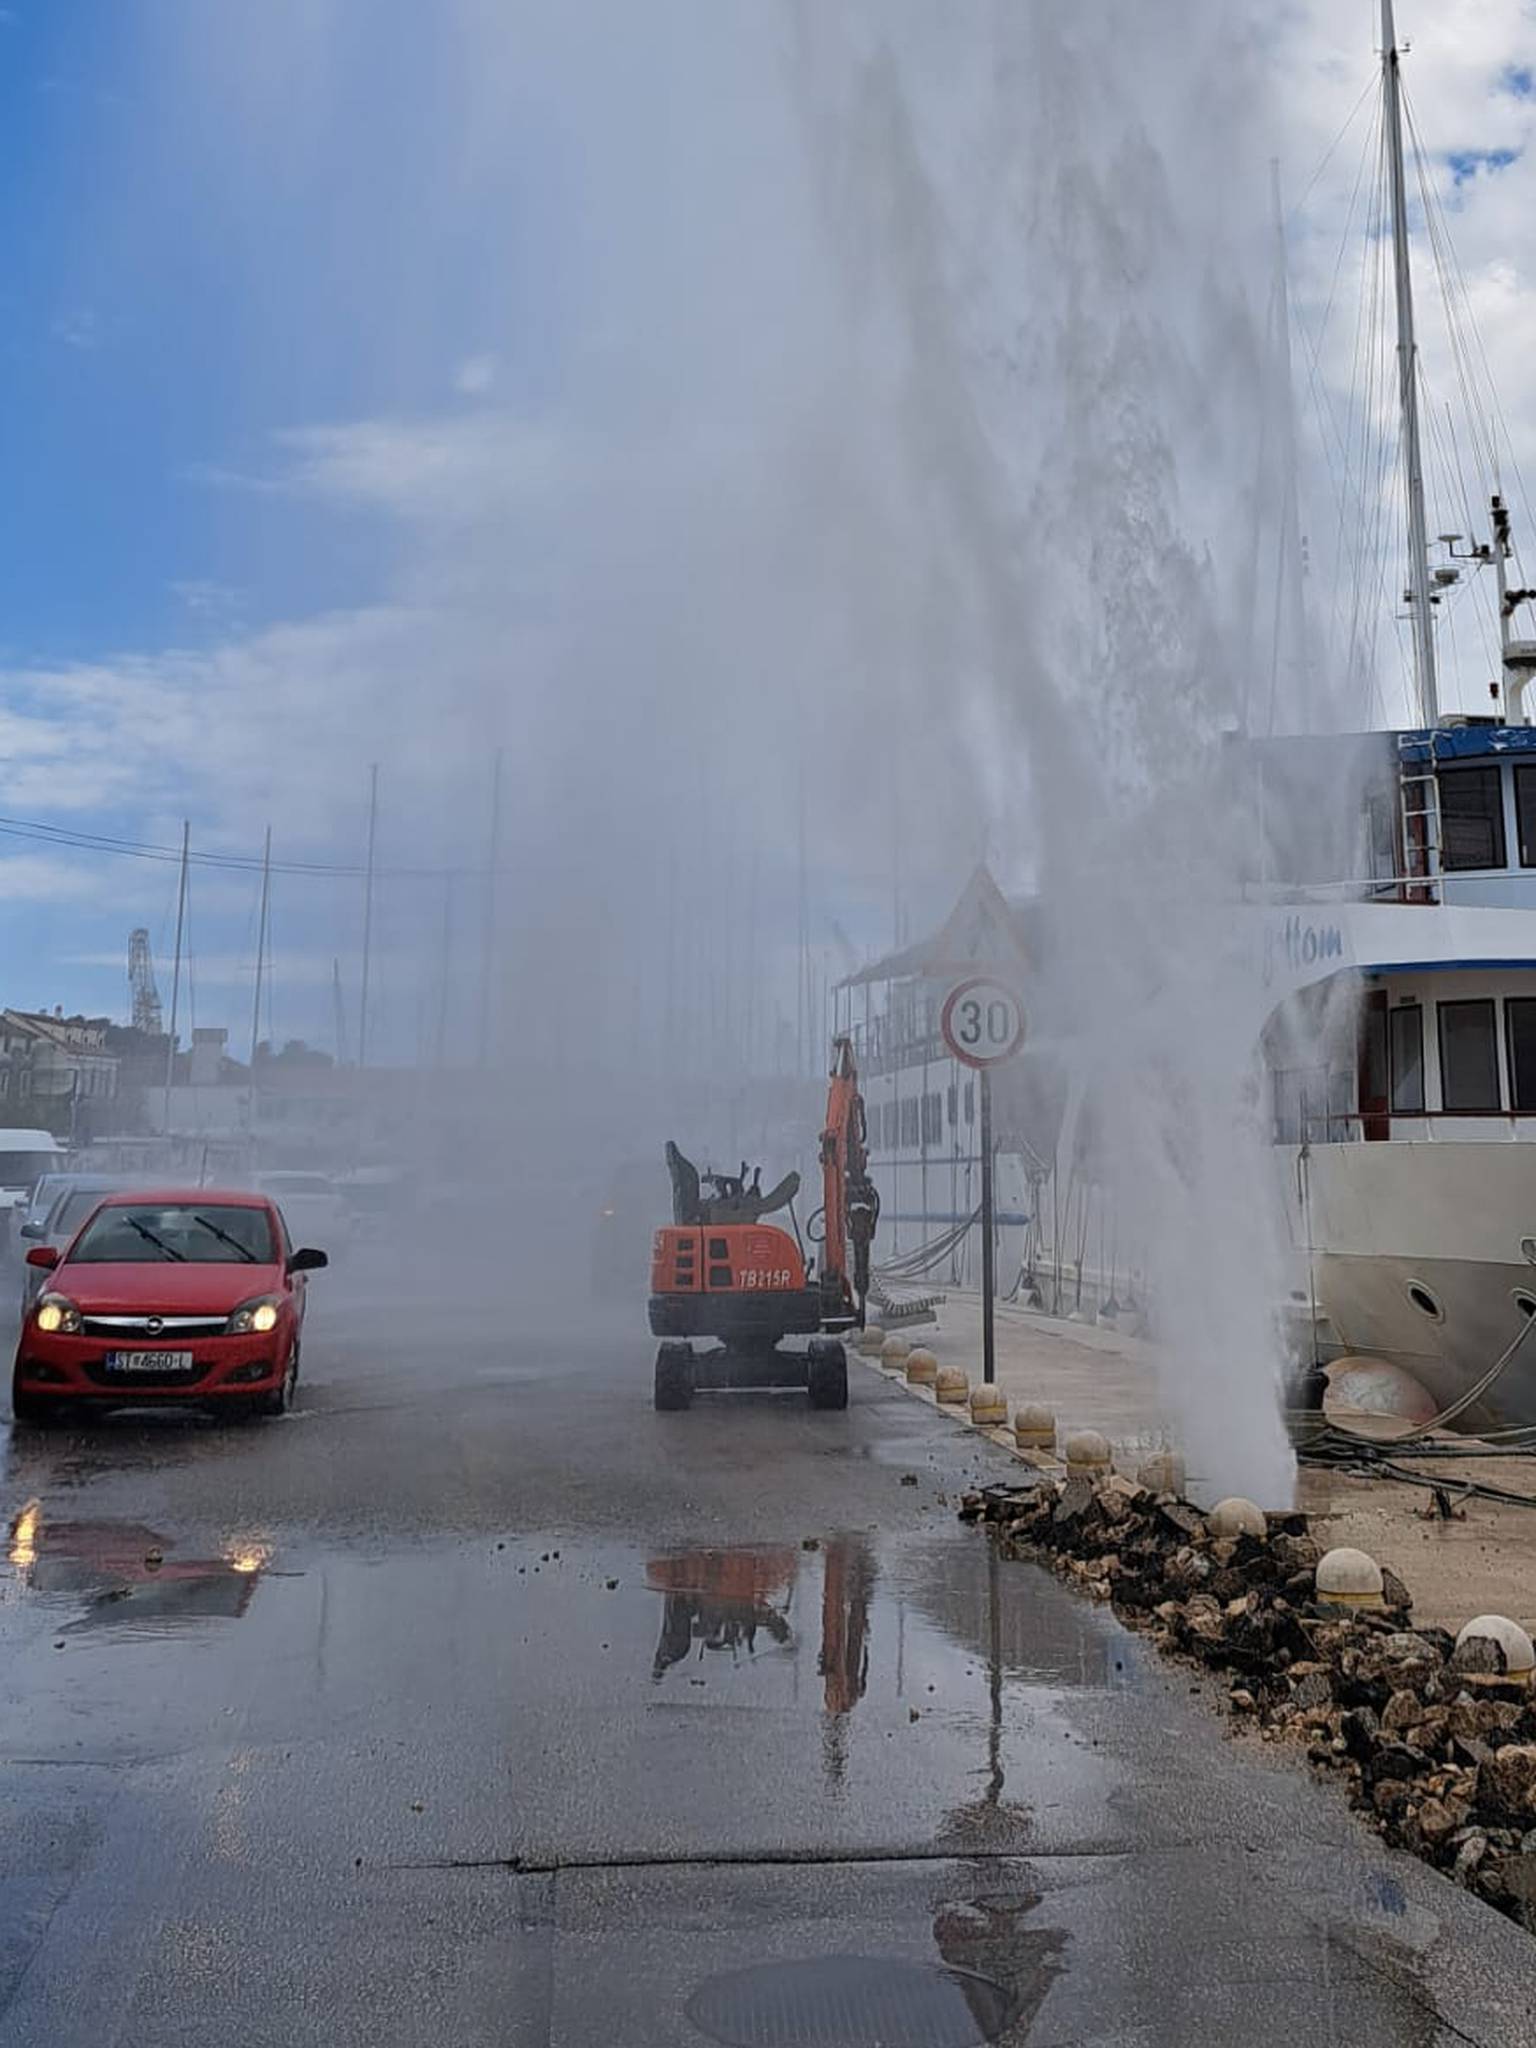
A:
(1394, 1002)
(1405, 1134)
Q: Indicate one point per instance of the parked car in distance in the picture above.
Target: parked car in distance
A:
(24, 1157)
(76, 1195)
(311, 1205)
(46, 1191)
(193, 1296)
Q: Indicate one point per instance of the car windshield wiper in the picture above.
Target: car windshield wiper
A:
(243, 1249)
(165, 1250)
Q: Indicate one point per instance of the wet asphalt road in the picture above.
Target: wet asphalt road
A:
(477, 1704)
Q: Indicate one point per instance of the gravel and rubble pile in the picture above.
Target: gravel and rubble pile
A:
(1437, 1745)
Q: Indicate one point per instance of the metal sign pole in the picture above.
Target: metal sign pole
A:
(982, 1024)
(988, 1256)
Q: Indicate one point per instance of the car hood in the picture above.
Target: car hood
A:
(164, 1287)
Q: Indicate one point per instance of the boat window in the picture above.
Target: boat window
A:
(1469, 1055)
(1520, 1032)
(1525, 812)
(933, 1119)
(1406, 1033)
(909, 1123)
(970, 1102)
(1373, 1052)
(1471, 818)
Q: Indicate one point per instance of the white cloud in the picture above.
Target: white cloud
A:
(682, 559)
(475, 375)
(79, 329)
(44, 878)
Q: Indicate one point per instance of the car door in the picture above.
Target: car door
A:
(296, 1283)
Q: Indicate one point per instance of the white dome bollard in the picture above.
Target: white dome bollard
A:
(1519, 1654)
(1163, 1472)
(1087, 1452)
(922, 1368)
(951, 1385)
(1034, 1427)
(1237, 1517)
(1348, 1578)
(988, 1408)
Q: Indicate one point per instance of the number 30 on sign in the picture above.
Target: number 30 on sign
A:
(983, 1022)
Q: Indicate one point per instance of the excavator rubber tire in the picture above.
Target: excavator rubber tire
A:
(674, 1377)
(827, 1373)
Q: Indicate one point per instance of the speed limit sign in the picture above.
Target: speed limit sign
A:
(983, 1022)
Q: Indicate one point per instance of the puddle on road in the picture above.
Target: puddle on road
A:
(742, 1604)
(851, 2002)
(124, 1577)
(876, 1640)
(744, 1608)
(989, 1976)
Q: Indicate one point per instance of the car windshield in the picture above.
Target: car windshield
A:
(203, 1233)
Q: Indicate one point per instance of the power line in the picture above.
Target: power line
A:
(237, 863)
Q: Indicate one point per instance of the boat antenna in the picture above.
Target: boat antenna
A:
(1418, 592)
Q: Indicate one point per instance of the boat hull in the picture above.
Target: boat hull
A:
(1414, 1253)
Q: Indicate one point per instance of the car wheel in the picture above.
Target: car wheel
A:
(280, 1400)
(30, 1409)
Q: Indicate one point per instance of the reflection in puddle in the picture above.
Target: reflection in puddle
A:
(721, 1600)
(1030, 1627)
(724, 1600)
(743, 1624)
(130, 1582)
(850, 2001)
(986, 1939)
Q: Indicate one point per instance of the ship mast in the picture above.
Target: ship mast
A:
(1418, 592)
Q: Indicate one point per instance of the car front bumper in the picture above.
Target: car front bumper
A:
(59, 1368)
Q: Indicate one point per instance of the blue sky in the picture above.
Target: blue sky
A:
(174, 298)
(201, 262)
(385, 381)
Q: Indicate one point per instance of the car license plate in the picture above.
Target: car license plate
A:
(149, 1361)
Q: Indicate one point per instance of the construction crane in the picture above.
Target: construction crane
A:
(141, 985)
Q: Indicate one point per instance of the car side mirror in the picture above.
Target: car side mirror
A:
(306, 1260)
(34, 1230)
(44, 1255)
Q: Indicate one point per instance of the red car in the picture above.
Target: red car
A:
(190, 1296)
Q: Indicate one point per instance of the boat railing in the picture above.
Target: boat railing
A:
(1406, 1127)
(1511, 887)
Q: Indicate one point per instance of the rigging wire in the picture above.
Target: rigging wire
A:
(234, 863)
(1338, 435)
(1487, 411)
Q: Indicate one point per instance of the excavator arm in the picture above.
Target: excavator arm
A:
(850, 1203)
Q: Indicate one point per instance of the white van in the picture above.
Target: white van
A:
(25, 1156)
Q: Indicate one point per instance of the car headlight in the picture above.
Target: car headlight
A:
(254, 1318)
(57, 1315)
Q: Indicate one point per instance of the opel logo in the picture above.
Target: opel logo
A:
(154, 1325)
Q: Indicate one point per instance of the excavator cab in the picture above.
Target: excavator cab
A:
(730, 1199)
(722, 1275)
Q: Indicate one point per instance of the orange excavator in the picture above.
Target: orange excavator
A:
(719, 1272)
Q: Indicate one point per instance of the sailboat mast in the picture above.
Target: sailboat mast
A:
(261, 944)
(1408, 383)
